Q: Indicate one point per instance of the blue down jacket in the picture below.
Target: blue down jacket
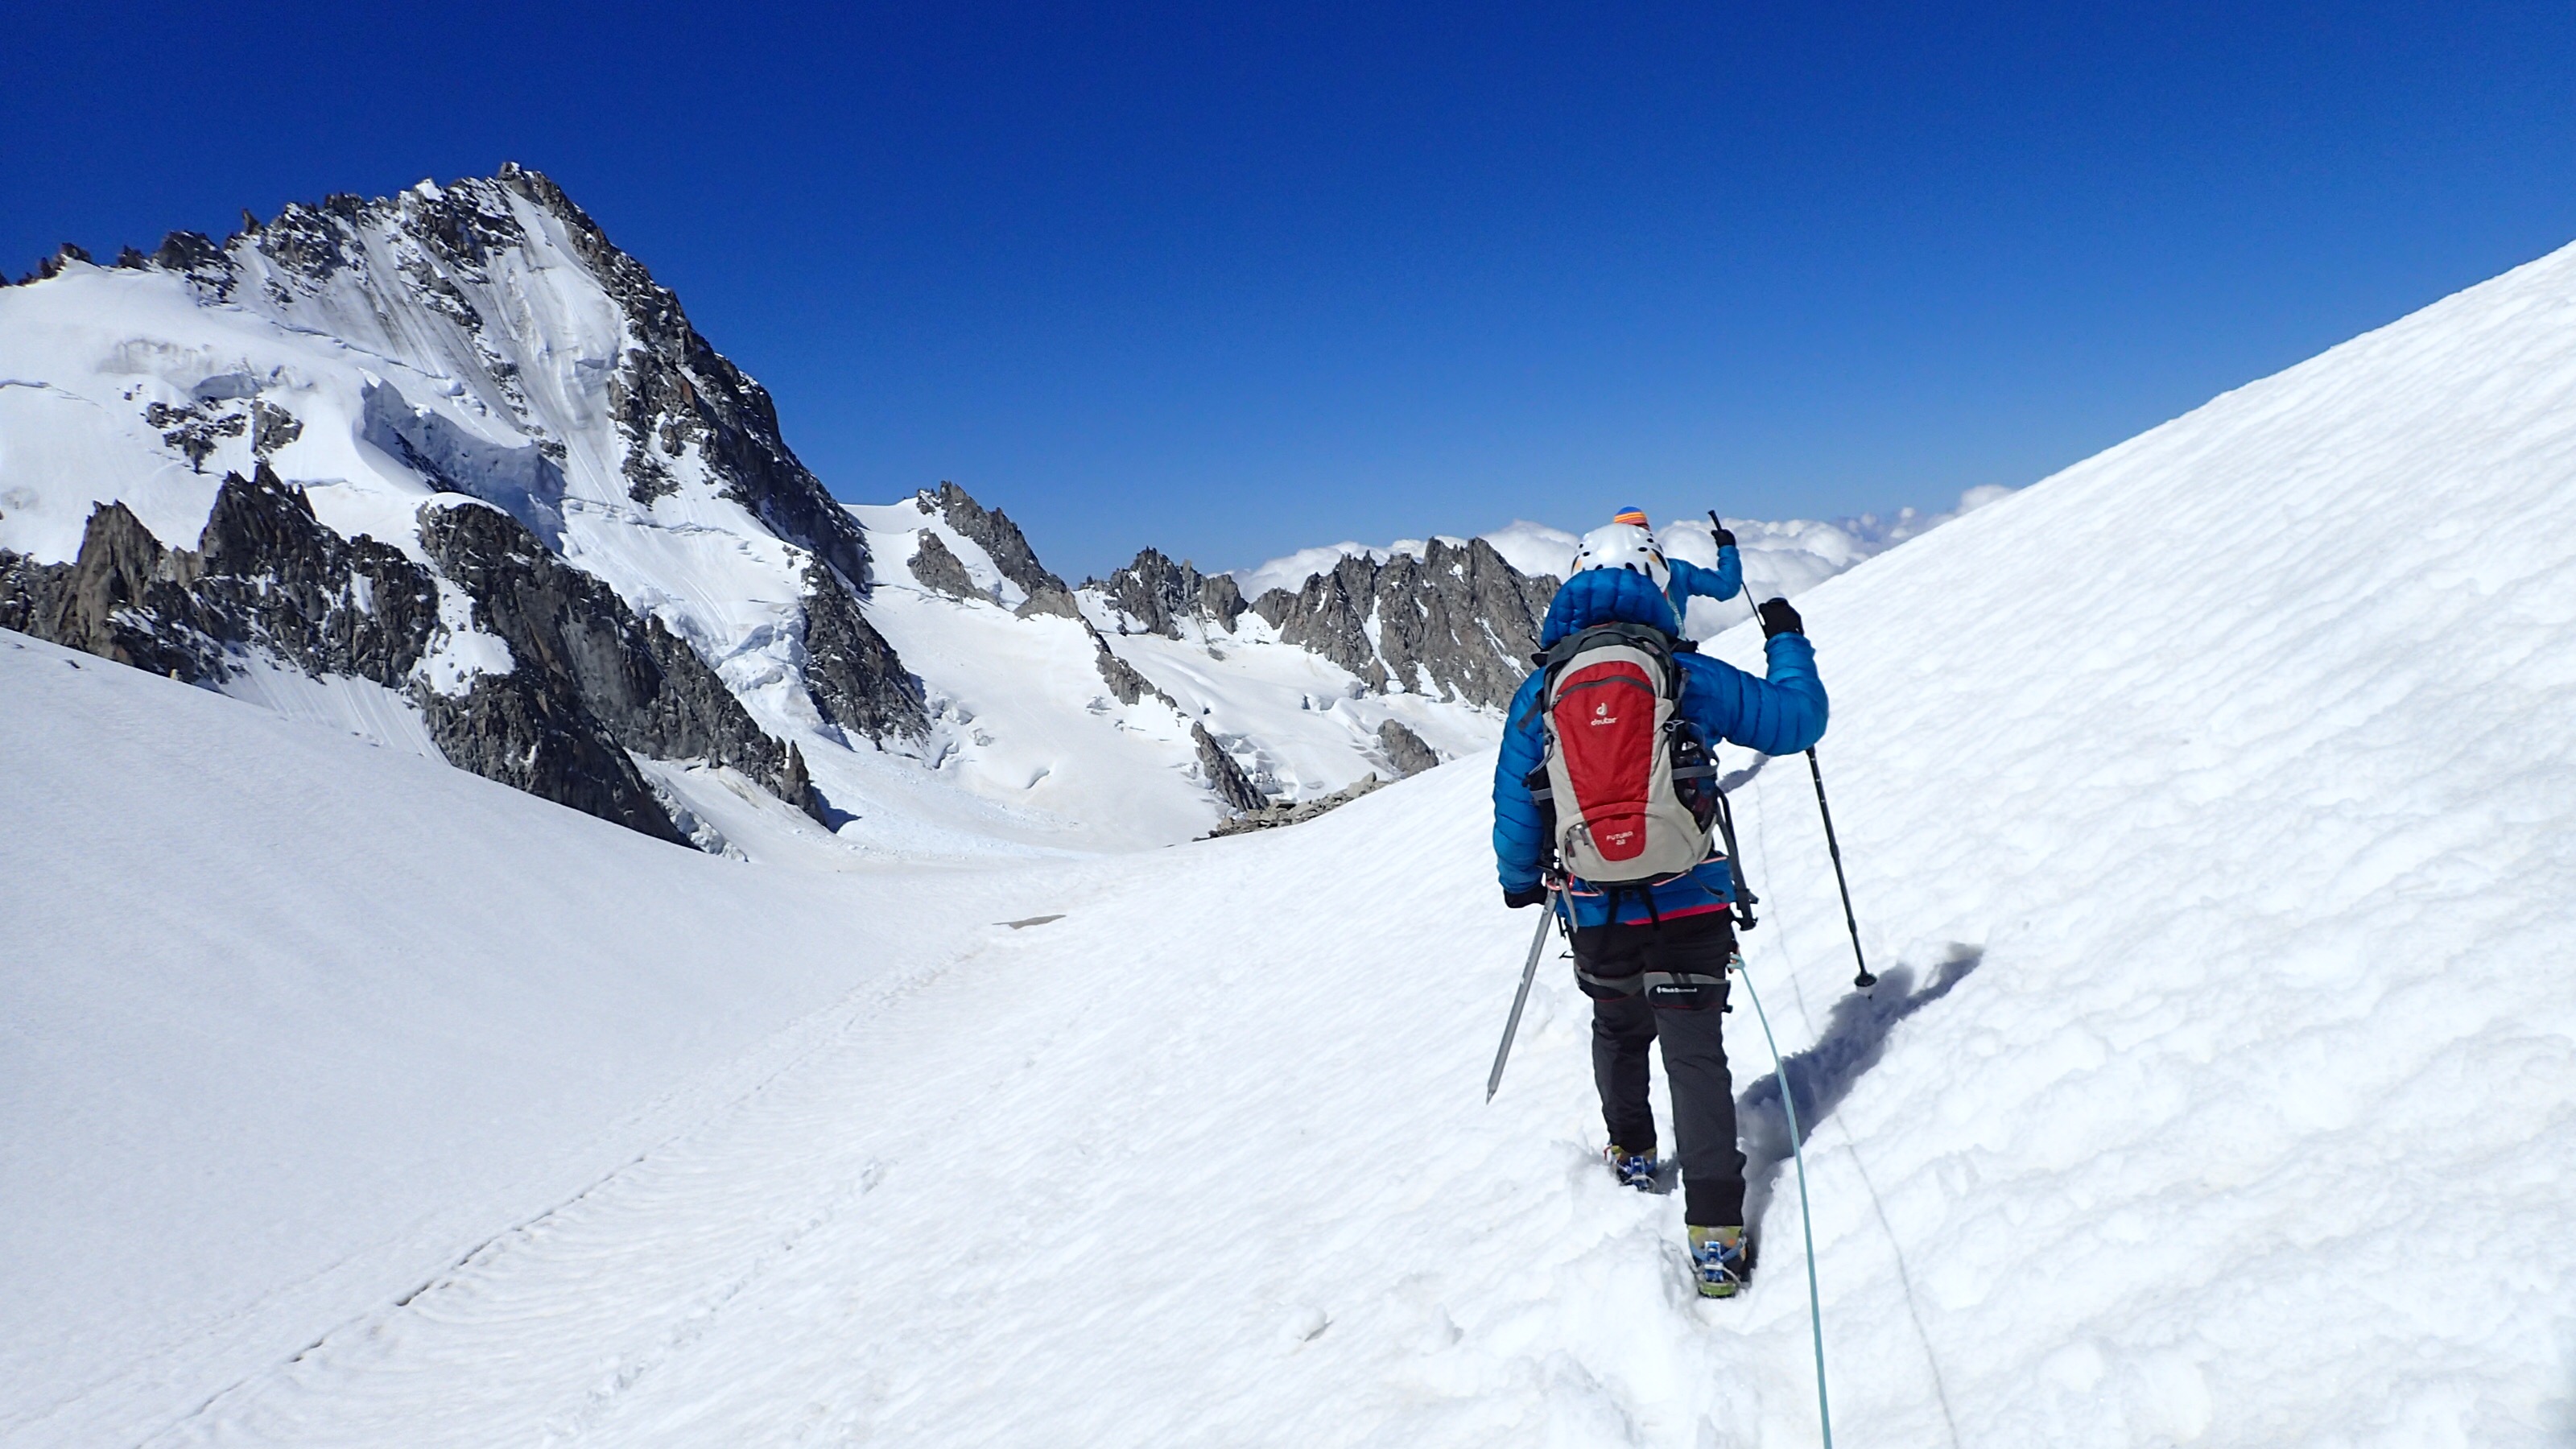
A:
(1778, 716)
(1721, 582)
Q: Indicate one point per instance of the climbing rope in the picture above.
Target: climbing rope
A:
(1789, 1104)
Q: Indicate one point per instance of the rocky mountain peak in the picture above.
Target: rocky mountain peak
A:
(1154, 595)
(466, 253)
(993, 531)
(513, 356)
(1457, 621)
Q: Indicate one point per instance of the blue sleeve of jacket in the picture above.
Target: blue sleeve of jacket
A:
(1780, 715)
(1520, 841)
(1722, 582)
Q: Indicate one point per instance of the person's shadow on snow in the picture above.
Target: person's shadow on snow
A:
(1854, 1038)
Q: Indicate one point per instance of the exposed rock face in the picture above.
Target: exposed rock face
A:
(119, 600)
(1232, 786)
(1458, 621)
(1001, 539)
(850, 670)
(672, 395)
(796, 787)
(1053, 599)
(641, 682)
(1154, 594)
(1124, 681)
(265, 574)
(941, 572)
(442, 277)
(590, 681)
(276, 577)
(525, 730)
(1405, 749)
(1271, 817)
(994, 532)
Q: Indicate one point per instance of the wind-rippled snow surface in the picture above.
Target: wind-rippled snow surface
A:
(2211, 818)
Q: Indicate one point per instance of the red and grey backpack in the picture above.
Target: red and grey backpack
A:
(1627, 785)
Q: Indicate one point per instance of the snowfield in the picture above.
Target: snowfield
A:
(2212, 822)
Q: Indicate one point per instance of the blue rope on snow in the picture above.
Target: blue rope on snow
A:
(1789, 1104)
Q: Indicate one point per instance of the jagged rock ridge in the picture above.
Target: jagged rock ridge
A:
(590, 681)
(1154, 595)
(1457, 622)
(1458, 619)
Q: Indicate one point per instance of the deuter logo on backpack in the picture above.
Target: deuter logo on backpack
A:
(1627, 779)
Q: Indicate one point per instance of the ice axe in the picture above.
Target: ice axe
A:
(1520, 998)
(1863, 980)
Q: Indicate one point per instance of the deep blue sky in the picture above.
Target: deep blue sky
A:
(1232, 279)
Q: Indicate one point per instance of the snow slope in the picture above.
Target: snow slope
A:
(288, 1019)
(1022, 715)
(2213, 823)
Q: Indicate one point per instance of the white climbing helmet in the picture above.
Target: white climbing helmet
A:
(1623, 546)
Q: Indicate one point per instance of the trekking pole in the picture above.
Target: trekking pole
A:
(1806, 1220)
(1520, 998)
(1833, 847)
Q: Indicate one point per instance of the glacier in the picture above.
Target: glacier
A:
(2212, 823)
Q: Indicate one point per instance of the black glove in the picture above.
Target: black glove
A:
(1778, 619)
(1534, 896)
(1718, 531)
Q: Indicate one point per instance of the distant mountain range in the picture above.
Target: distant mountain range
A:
(451, 470)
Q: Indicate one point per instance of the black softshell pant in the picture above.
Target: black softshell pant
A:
(1668, 981)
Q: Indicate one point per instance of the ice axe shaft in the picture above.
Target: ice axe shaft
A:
(1520, 998)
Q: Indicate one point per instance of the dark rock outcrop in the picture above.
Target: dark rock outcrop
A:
(1123, 679)
(267, 577)
(1053, 599)
(850, 670)
(1000, 538)
(1271, 817)
(525, 730)
(265, 574)
(642, 683)
(940, 571)
(796, 787)
(193, 256)
(589, 681)
(120, 599)
(1405, 749)
(1232, 787)
(273, 576)
(1154, 594)
(52, 266)
(1458, 621)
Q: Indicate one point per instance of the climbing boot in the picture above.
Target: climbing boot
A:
(1633, 1169)
(1722, 1260)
